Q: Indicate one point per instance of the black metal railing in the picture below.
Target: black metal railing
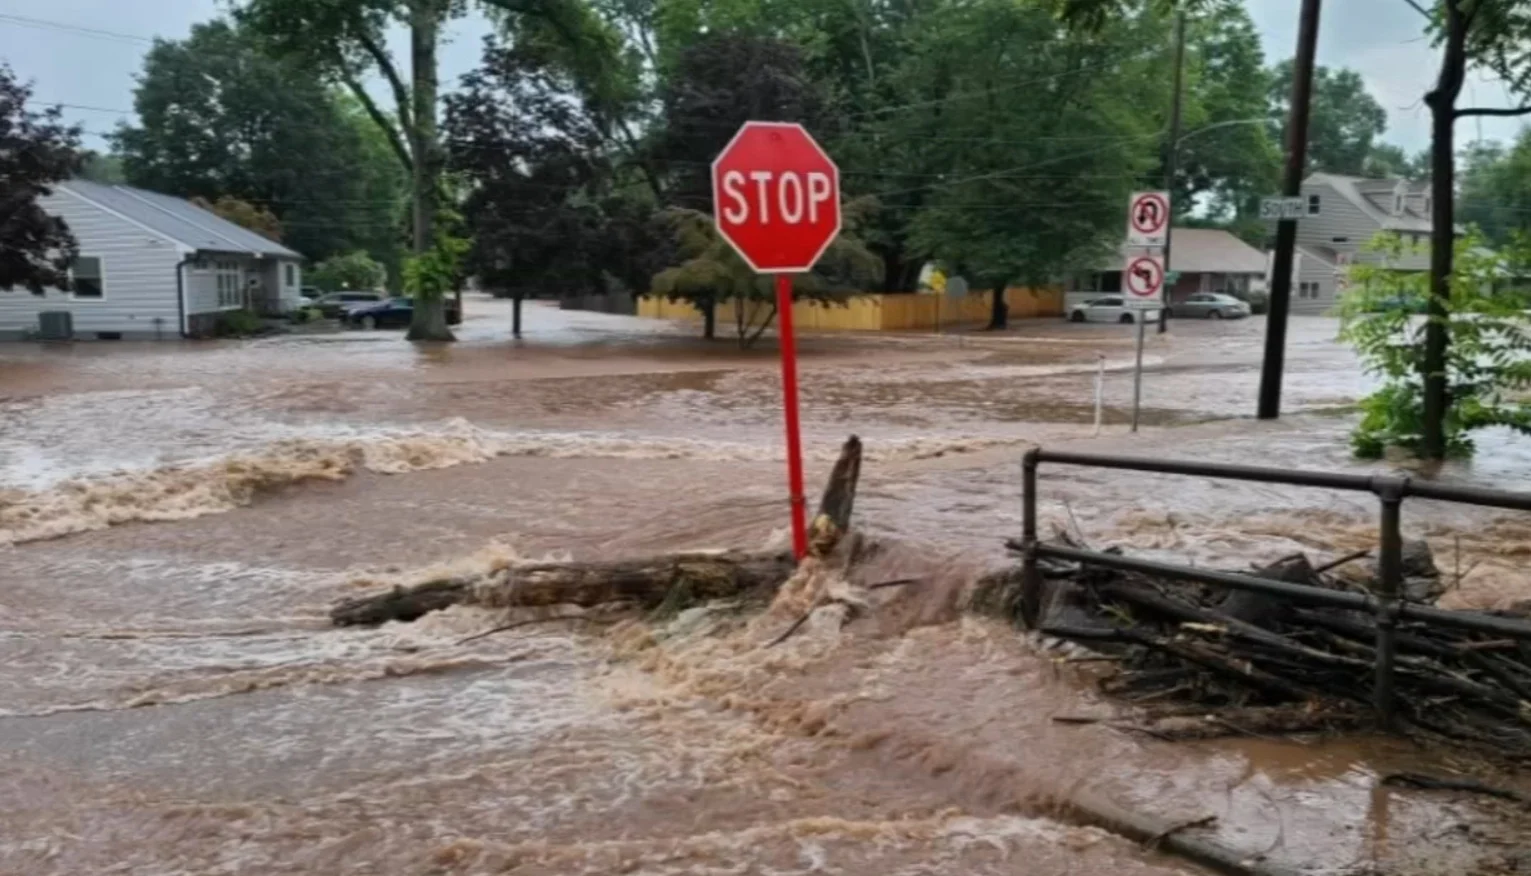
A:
(1386, 604)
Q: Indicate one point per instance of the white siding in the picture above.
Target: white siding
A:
(138, 269)
(1339, 218)
(1311, 269)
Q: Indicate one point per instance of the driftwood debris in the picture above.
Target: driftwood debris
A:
(1249, 662)
(647, 583)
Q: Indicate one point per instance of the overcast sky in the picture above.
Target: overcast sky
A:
(1380, 38)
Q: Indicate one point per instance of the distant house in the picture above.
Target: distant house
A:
(153, 266)
(1343, 214)
(1208, 259)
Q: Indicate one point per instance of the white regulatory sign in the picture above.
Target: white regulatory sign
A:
(1148, 219)
(1283, 208)
(1144, 280)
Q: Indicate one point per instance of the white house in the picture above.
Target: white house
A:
(153, 266)
(1343, 214)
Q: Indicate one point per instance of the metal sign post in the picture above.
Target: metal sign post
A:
(1144, 281)
(776, 200)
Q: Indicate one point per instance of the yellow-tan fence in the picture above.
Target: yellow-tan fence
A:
(878, 312)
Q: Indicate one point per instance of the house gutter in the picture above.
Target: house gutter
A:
(180, 290)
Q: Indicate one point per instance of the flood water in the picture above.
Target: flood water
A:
(178, 518)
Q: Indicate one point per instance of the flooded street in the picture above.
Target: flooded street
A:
(177, 519)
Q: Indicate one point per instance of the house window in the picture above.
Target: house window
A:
(229, 282)
(292, 275)
(1339, 240)
(86, 277)
(1313, 205)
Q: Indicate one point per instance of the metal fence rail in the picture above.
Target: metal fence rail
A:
(1385, 605)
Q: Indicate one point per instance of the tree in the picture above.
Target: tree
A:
(105, 169)
(354, 270)
(345, 40)
(1345, 121)
(1035, 167)
(245, 215)
(1225, 162)
(36, 150)
(714, 85)
(1488, 368)
(541, 211)
(1497, 33)
(219, 117)
(712, 272)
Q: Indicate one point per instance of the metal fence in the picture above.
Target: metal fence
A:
(1385, 604)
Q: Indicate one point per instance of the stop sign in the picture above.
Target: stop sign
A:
(776, 197)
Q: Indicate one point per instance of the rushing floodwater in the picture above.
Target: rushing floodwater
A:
(180, 517)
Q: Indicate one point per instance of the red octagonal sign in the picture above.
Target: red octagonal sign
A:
(776, 197)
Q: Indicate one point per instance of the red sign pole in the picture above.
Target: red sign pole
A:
(789, 398)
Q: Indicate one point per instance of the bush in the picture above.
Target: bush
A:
(237, 324)
(1488, 362)
(356, 271)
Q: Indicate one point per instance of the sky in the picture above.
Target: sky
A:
(1381, 39)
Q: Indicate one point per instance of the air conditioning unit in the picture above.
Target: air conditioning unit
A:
(55, 325)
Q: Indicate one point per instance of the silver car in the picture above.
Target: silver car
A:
(1211, 305)
(1111, 309)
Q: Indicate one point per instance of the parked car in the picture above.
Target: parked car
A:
(335, 305)
(310, 292)
(1210, 305)
(1111, 309)
(393, 313)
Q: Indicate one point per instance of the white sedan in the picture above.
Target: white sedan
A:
(1111, 309)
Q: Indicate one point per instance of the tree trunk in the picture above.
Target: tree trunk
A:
(647, 583)
(1443, 110)
(515, 316)
(999, 311)
(709, 308)
(429, 322)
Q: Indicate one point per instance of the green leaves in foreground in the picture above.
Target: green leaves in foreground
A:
(1488, 364)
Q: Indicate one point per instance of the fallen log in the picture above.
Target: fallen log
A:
(646, 583)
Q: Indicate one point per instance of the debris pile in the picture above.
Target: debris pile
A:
(1247, 663)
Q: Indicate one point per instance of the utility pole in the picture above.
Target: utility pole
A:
(1286, 229)
(1172, 153)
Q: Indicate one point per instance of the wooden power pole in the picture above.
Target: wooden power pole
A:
(1172, 153)
(1286, 229)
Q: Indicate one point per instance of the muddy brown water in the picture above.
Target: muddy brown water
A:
(180, 517)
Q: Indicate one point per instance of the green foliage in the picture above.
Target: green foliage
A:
(36, 150)
(1488, 365)
(1345, 120)
(1496, 188)
(1030, 181)
(352, 271)
(245, 215)
(104, 169)
(430, 275)
(710, 272)
(237, 324)
(220, 117)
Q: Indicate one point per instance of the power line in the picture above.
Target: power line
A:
(47, 24)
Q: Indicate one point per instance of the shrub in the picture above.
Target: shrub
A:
(237, 324)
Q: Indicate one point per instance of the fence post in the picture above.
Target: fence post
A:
(1031, 581)
(1390, 580)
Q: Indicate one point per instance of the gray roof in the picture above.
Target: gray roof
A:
(1204, 251)
(1374, 197)
(182, 221)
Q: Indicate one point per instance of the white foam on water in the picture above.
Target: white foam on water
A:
(195, 488)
